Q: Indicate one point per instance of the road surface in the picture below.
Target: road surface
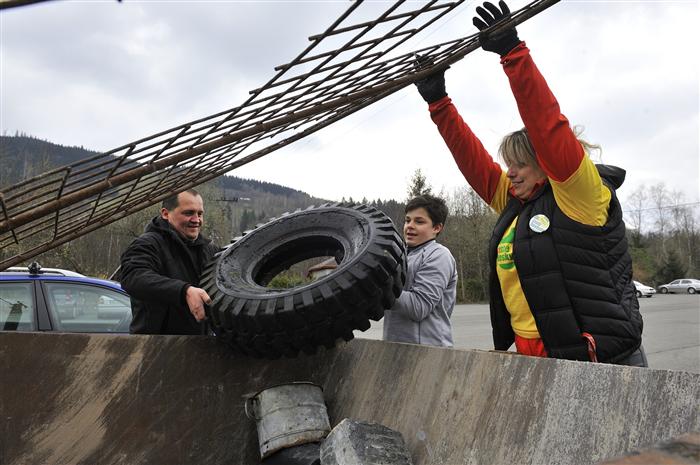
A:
(671, 330)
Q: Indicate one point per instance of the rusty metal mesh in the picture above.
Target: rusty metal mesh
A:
(16, 3)
(344, 69)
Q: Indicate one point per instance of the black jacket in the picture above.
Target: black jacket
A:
(576, 278)
(156, 270)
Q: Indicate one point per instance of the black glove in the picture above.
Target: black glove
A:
(431, 88)
(502, 42)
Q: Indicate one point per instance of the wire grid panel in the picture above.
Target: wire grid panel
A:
(362, 57)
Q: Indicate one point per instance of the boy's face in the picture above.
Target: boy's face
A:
(419, 228)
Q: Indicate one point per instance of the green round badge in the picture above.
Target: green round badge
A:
(539, 223)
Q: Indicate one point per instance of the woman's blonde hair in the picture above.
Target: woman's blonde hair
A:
(516, 148)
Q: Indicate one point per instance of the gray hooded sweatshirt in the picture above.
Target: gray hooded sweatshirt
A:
(421, 314)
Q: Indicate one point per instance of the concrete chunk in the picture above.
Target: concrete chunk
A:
(360, 443)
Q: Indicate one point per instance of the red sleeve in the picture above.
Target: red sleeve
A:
(558, 152)
(475, 163)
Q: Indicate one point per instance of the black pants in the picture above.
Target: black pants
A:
(638, 358)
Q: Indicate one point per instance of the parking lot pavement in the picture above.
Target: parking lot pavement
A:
(671, 330)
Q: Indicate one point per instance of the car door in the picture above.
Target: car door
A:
(674, 286)
(87, 308)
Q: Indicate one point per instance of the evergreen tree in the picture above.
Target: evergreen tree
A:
(671, 269)
(248, 220)
(418, 186)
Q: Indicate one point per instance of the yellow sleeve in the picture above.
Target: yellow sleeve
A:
(500, 197)
(583, 197)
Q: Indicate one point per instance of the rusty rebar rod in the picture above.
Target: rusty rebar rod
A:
(4, 4)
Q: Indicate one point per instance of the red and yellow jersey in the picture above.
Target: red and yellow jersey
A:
(578, 189)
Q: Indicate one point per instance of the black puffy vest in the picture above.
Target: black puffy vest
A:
(576, 278)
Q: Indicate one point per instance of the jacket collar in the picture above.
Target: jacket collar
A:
(534, 193)
(420, 246)
(158, 224)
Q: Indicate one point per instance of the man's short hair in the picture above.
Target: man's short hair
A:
(435, 206)
(171, 203)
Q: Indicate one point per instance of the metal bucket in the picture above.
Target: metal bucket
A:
(288, 415)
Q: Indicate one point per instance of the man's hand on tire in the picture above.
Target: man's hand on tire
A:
(196, 298)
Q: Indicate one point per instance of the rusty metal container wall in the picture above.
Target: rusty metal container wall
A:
(127, 400)
(288, 415)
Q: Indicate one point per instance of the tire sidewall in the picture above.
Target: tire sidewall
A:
(252, 290)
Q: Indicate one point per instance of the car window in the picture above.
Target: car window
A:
(675, 282)
(16, 307)
(685, 281)
(83, 308)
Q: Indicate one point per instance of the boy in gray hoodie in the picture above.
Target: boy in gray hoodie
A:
(421, 314)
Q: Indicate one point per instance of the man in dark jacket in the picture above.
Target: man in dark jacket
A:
(160, 269)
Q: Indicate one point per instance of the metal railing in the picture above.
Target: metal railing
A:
(313, 90)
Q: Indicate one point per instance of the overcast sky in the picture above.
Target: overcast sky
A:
(100, 74)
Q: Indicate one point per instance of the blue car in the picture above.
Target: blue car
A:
(49, 299)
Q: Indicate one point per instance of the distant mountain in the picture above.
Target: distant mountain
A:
(23, 157)
(237, 184)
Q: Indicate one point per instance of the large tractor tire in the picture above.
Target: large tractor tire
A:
(269, 322)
